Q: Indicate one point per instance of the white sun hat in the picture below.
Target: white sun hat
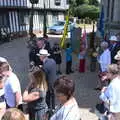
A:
(2, 59)
(43, 52)
(117, 56)
(113, 38)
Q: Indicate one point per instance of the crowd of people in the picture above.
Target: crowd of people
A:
(109, 77)
(43, 88)
(45, 84)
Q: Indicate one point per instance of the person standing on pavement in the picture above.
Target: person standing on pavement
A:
(111, 95)
(82, 56)
(64, 92)
(34, 60)
(47, 45)
(104, 60)
(12, 86)
(68, 59)
(114, 48)
(57, 56)
(49, 67)
(40, 44)
(35, 95)
(105, 57)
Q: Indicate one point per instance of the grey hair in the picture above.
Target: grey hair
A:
(104, 44)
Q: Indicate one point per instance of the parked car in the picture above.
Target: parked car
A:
(58, 28)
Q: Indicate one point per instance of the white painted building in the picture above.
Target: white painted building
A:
(15, 14)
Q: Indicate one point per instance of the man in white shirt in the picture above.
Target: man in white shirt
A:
(12, 86)
(111, 94)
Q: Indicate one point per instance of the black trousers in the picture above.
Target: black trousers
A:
(68, 67)
(50, 98)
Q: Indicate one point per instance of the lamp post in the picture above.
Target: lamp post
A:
(31, 18)
(44, 21)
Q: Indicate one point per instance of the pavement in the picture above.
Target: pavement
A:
(16, 53)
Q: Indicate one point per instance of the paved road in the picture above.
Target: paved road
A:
(17, 54)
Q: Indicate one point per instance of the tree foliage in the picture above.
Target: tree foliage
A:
(85, 8)
(79, 2)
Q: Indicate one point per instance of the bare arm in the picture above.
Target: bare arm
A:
(29, 97)
(18, 98)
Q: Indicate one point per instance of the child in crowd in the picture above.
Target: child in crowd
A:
(57, 56)
(68, 59)
(82, 56)
(2, 99)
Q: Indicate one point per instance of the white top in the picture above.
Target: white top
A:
(67, 112)
(112, 94)
(2, 100)
(1, 92)
(105, 60)
(12, 85)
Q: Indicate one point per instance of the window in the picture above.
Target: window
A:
(54, 18)
(67, 1)
(23, 18)
(4, 19)
(57, 2)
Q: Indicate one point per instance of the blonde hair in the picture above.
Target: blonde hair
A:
(13, 114)
(113, 68)
(39, 80)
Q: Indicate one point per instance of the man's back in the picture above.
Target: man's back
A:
(49, 67)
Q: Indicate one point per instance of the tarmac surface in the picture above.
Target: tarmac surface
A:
(16, 52)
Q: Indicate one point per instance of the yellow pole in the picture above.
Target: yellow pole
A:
(65, 33)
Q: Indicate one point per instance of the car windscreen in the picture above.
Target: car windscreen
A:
(60, 23)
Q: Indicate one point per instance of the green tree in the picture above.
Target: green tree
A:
(85, 8)
(80, 2)
(94, 2)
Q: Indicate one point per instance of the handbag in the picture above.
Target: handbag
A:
(101, 108)
(23, 107)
